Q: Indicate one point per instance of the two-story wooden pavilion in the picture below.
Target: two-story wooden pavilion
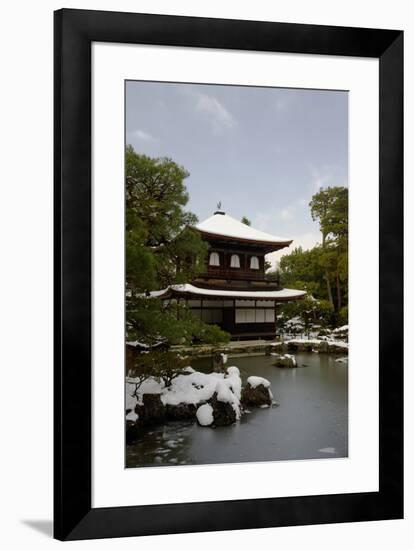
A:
(233, 291)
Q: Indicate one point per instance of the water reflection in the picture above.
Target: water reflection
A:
(311, 420)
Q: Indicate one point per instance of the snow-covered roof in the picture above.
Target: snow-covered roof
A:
(284, 294)
(222, 224)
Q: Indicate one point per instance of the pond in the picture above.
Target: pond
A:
(310, 419)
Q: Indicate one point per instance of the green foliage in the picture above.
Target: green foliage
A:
(330, 207)
(141, 263)
(152, 320)
(210, 334)
(323, 270)
(343, 316)
(303, 315)
(302, 269)
(162, 248)
(246, 220)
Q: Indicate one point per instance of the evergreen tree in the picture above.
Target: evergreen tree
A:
(323, 270)
(330, 207)
(162, 248)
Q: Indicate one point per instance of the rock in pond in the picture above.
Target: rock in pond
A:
(301, 346)
(219, 362)
(223, 411)
(285, 361)
(182, 411)
(216, 413)
(257, 392)
(152, 410)
(131, 432)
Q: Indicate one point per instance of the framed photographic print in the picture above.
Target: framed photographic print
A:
(228, 274)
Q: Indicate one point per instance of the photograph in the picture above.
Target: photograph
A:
(236, 274)
(209, 250)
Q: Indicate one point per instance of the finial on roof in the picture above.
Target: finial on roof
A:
(219, 210)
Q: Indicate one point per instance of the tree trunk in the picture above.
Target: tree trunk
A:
(338, 293)
(328, 287)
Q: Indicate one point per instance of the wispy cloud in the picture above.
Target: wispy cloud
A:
(267, 219)
(213, 107)
(143, 136)
(218, 116)
(320, 177)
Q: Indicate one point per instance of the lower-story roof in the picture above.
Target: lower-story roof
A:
(188, 289)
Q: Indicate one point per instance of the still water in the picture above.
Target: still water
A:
(309, 421)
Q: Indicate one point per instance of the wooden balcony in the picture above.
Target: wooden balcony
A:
(235, 274)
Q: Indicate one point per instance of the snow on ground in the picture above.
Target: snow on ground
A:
(150, 385)
(295, 323)
(191, 388)
(138, 344)
(317, 341)
(132, 416)
(344, 328)
(205, 415)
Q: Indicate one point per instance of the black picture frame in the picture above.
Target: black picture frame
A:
(74, 32)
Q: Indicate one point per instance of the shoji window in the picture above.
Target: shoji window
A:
(234, 261)
(254, 262)
(214, 259)
(254, 315)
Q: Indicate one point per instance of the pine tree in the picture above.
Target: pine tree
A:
(161, 248)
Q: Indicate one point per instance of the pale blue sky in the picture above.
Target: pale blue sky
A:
(262, 152)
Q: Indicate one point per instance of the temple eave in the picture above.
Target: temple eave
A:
(191, 291)
(267, 246)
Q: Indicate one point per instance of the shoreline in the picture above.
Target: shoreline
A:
(265, 347)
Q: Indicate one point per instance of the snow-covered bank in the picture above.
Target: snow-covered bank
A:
(212, 399)
(191, 388)
(335, 339)
(311, 344)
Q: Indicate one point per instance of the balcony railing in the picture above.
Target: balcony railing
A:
(235, 274)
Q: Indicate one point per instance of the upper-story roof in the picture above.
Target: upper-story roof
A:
(221, 224)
